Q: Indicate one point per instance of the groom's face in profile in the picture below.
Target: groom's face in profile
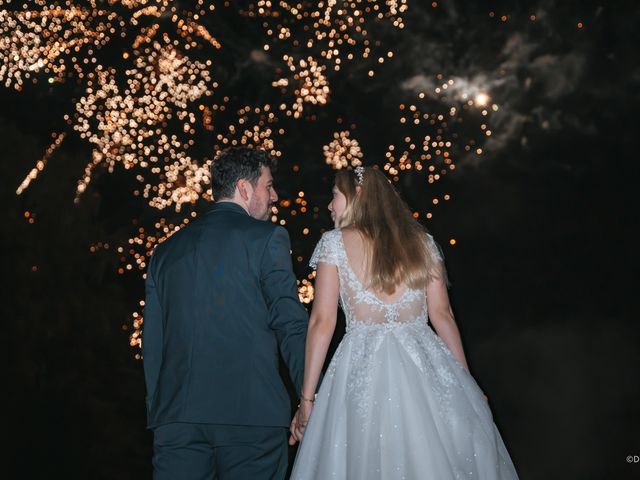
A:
(263, 196)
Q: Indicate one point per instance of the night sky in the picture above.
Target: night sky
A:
(536, 231)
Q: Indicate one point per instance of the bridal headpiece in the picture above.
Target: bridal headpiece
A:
(359, 171)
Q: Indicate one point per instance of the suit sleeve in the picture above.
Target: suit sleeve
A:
(287, 317)
(152, 336)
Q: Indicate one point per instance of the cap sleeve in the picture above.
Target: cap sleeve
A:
(326, 250)
(434, 249)
(438, 270)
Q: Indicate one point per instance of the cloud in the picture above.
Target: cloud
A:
(533, 75)
(558, 75)
(259, 56)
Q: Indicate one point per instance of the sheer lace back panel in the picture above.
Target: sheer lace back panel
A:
(360, 304)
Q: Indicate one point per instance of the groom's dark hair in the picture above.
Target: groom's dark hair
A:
(236, 163)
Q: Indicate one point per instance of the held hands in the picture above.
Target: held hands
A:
(300, 419)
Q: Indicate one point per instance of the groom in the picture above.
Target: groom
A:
(221, 302)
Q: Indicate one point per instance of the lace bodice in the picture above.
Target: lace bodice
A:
(361, 305)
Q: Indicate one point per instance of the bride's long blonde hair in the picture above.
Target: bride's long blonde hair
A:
(397, 244)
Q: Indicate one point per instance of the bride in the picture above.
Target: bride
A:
(397, 400)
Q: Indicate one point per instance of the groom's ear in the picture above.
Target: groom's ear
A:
(242, 189)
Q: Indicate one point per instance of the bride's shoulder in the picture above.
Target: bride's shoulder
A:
(353, 237)
(332, 234)
(349, 232)
(342, 235)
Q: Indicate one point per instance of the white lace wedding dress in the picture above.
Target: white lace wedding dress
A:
(394, 403)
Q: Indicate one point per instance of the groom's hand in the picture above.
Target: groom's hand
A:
(302, 417)
(297, 428)
(299, 422)
(294, 424)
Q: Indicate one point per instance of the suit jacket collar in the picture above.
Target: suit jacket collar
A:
(228, 207)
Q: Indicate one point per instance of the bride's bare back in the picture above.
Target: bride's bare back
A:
(358, 252)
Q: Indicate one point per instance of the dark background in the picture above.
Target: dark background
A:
(543, 271)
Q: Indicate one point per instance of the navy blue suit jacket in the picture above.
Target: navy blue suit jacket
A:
(221, 304)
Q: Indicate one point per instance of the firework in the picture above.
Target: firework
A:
(310, 85)
(343, 151)
(50, 38)
(149, 100)
(339, 31)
